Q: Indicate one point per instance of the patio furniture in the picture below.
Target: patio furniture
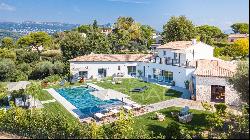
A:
(175, 114)
(160, 116)
(62, 82)
(185, 118)
(139, 89)
(127, 108)
(19, 102)
(99, 116)
(184, 111)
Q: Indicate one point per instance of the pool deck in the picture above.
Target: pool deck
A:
(71, 108)
(94, 86)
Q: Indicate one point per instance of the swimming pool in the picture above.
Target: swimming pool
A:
(85, 102)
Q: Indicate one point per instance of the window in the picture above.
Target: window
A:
(102, 72)
(217, 93)
(175, 55)
(132, 70)
(83, 74)
(168, 75)
(164, 52)
(119, 67)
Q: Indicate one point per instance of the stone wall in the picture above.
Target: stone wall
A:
(203, 89)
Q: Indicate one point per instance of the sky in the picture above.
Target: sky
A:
(220, 13)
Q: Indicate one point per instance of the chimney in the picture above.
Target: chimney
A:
(193, 41)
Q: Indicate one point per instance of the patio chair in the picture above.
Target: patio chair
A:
(184, 111)
(62, 82)
(139, 89)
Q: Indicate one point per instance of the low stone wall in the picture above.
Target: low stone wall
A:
(203, 90)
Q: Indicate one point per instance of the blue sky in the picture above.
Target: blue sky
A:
(221, 13)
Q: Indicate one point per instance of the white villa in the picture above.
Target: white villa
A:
(186, 64)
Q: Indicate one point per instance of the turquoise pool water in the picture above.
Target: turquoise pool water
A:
(84, 101)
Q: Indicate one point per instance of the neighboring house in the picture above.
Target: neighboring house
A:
(153, 47)
(174, 62)
(106, 31)
(40, 48)
(157, 38)
(103, 65)
(233, 37)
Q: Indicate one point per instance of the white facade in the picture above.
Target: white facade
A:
(176, 61)
(167, 65)
(92, 68)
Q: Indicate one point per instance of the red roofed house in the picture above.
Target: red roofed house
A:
(173, 63)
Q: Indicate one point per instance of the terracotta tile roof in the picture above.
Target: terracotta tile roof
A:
(112, 58)
(238, 35)
(178, 45)
(215, 68)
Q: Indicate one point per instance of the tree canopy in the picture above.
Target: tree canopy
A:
(209, 34)
(240, 81)
(7, 42)
(242, 28)
(178, 29)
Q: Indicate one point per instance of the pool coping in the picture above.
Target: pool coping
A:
(66, 104)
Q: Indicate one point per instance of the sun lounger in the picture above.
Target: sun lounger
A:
(139, 89)
(99, 116)
(127, 108)
(115, 111)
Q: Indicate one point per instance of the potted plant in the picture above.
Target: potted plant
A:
(187, 84)
(140, 73)
(172, 83)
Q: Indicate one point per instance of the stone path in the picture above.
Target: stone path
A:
(177, 102)
(11, 86)
(48, 101)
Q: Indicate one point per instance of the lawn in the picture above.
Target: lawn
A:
(153, 94)
(148, 124)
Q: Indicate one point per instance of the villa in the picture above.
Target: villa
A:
(185, 64)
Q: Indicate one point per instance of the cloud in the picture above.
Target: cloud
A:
(130, 1)
(6, 7)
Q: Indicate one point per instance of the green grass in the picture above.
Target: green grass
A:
(56, 109)
(148, 124)
(153, 94)
(43, 95)
(67, 84)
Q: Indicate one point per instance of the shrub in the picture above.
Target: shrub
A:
(52, 78)
(173, 131)
(52, 55)
(6, 53)
(58, 67)
(18, 76)
(25, 68)
(7, 68)
(26, 56)
(38, 124)
(220, 108)
(46, 68)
